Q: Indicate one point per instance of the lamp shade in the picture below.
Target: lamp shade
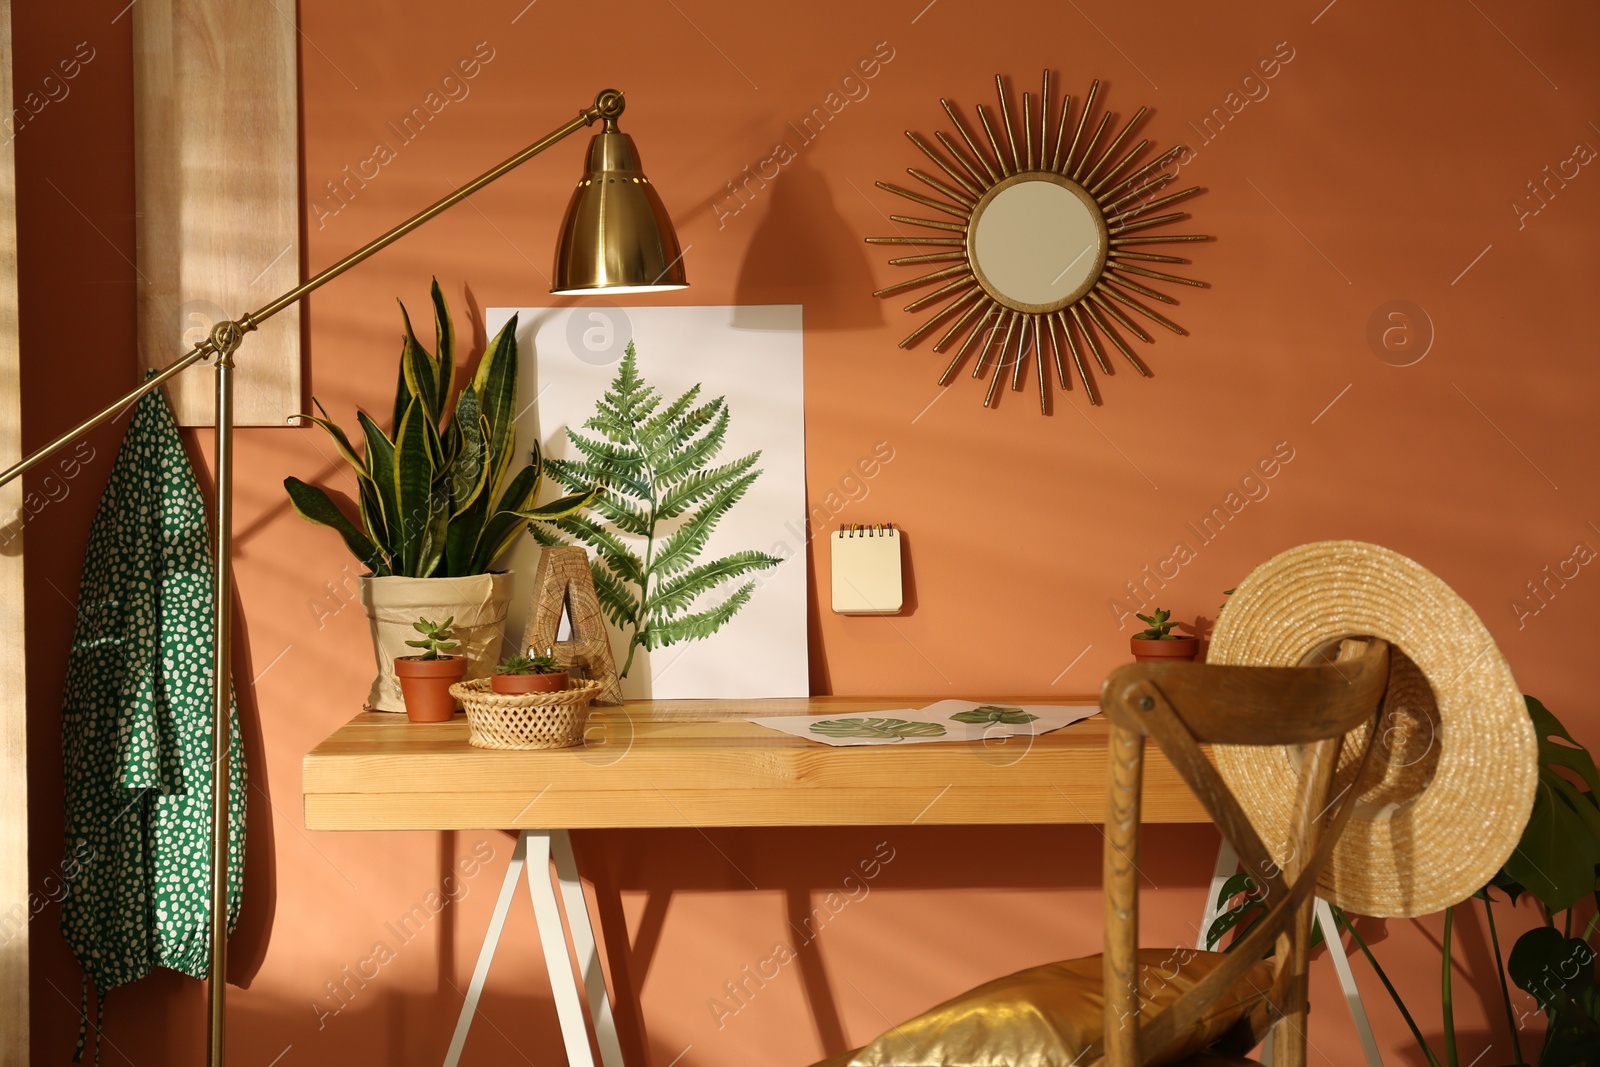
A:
(616, 236)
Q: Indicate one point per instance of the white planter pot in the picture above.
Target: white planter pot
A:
(478, 602)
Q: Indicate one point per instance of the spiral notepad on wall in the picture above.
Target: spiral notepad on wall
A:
(866, 570)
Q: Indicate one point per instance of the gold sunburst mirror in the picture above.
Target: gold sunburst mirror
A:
(1042, 247)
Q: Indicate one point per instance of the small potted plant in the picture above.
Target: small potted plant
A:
(425, 679)
(1158, 643)
(520, 674)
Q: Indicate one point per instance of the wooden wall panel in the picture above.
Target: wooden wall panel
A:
(14, 911)
(217, 162)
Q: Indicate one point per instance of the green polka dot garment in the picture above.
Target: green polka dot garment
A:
(136, 724)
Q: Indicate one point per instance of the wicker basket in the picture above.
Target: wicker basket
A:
(532, 720)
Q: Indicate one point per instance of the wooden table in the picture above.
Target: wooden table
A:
(692, 763)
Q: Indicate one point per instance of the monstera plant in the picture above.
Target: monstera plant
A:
(439, 498)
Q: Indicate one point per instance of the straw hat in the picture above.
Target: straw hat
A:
(1454, 773)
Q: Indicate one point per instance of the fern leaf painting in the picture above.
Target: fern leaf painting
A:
(669, 487)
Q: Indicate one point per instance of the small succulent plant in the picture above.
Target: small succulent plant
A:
(436, 637)
(520, 664)
(1160, 623)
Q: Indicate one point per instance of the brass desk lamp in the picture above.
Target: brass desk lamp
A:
(616, 238)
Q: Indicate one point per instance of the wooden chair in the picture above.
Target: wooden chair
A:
(1181, 706)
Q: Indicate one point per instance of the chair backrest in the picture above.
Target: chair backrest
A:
(1182, 706)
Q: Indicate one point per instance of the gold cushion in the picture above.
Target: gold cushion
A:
(1049, 1016)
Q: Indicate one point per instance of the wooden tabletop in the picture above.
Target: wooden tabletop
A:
(695, 763)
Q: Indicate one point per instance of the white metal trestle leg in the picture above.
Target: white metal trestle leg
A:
(1347, 982)
(583, 947)
(1227, 864)
(533, 852)
(491, 938)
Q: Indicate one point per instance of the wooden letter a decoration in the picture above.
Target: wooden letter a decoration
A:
(562, 580)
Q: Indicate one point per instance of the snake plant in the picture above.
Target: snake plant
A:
(438, 498)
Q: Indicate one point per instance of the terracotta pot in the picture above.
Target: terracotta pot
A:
(425, 684)
(517, 684)
(1169, 650)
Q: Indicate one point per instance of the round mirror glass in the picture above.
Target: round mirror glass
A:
(1038, 243)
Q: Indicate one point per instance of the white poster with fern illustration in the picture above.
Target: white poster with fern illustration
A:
(697, 430)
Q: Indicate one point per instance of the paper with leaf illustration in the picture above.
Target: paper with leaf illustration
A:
(697, 429)
(947, 720)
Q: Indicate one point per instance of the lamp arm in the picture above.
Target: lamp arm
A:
(201, 351)
(225, 336)
(608, 104)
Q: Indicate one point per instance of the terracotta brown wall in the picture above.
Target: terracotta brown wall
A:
(1383, 161)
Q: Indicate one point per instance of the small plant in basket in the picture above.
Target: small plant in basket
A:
(526, 703)
(1158, 642)
(529, 674)
(426, 678)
